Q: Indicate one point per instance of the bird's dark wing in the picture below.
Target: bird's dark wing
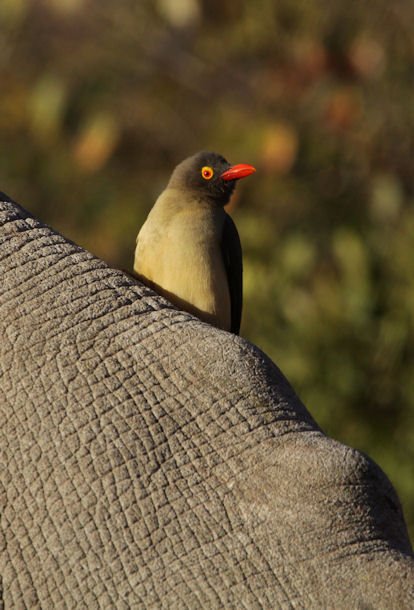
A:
(232, 257)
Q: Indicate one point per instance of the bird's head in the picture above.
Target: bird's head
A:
(209, 175)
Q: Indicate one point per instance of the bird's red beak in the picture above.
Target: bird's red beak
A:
(235, 172)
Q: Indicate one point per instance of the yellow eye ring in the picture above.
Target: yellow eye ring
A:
(207, 172)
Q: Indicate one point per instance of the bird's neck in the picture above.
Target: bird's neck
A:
(191, 198)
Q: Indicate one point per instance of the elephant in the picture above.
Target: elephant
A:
(152, 461)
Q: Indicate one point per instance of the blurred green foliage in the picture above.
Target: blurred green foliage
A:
(101, 99)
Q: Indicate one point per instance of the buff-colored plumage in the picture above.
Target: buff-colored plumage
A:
(178, 253)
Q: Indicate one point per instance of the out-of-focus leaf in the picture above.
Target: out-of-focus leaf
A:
(279, 148)
(179, 13)
(46, 107)
(367, 57)
(66, 7)
(387, 197)
(12, 11)
(96, 142)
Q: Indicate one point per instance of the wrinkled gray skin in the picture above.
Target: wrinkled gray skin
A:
(152, 461)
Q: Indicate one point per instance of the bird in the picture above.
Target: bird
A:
(188, 249)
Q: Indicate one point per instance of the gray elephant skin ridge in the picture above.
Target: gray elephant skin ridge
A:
(152, 461)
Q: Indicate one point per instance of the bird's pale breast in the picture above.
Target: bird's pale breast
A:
(184, 260)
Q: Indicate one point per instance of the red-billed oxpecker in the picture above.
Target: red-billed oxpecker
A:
(188, 248)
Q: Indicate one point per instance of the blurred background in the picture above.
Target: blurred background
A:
(101, 99)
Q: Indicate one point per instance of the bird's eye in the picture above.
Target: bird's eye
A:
(207, 172)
